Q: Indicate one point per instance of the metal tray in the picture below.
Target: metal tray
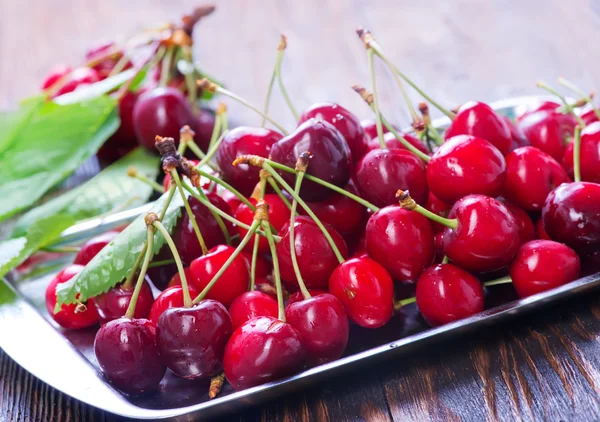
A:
(68, 363)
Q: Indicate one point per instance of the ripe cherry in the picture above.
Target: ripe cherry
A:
(279, 215)
(447, 293)
(439, 247)
(518, 137)
(114, 303)
(526, 228)
(298, 297)
(176, 279)
(247, 362)
(392, 142)
(438, 207)
(589, 117)
(232, 200)
(203, 127)
(56, 73)
(78, 77)
(91, 248)
(549, 131)
(590, 154)
(262, 268)
(123, 140)
(171, 297)
(106, 65)
(540, 231)
(250, 305)
(542, 265)
(543, 105)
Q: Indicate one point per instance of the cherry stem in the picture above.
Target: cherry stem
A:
(151, 63)
(582, 94)
(445, 260)
(566, 104)
(217, 217)
(375, 102)
(186, 204)
(501, 280)
(61, 249)
(303, 289)
(253, 262)
(216, 132)
(279, 193)
(161, 263)
(165, 70)
(227, 186)
(140, 281)
(280, 49)
(400, 303)
(268, 98)
(193, 146)
(211, 151)
(190, 81)
(577, 154)
(276, 274)
(119, 66)
(407, 203)
(216, 384)
(132, 172)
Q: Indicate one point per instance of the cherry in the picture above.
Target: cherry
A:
(366, 290)
(530, 176)
(590, 154)
(526, 228)
(262, 267)
(464, 165)
(540, 232)
(161, 111)
(203, 127)
(298, 297)
(480, 120)
(323, 326)
(105, 66)
(571, 215)
(263, 349)
(127, 354)
(549, 131)
(279, 215)
(344, 121)
(241, 141)
(171, 297)
(191, 341)
(447, 293)
(439, 247)
(315, 257)
(518, 137)
(70, 316)
(123, 140)
(176, 279)
(544, 105)
(401, 241)
(392, 142)
(542, 265)
(232, 200)
(330, 161)
(438, 207)
(370, 128)
(113, 304)
(162, 275)
(589, 117)
(382, 172)
(56, 73)
(78, 77)
(91, 248)
(250, 305)
(232, 283)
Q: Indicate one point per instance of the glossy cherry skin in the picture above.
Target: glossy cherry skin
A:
(203, 127)
(232, 200)
(176, 279)
(330, 162)
(114, 303)
(366, 290)
(370, 128)
(530, 176)
(123, 140)
(161, 111)
(241, 141)
(298, 297)
(78, 77)
(279, 215)
(549, 131)
(191, 341)
(107, 64)
(540, 231)
(526, 227)
(127, 354)
(572, 215)
(487, 236)
(230, 285)
(91, 248)
(439, 207)
(344, 121)
(589, 162)
(382, 172)
(518, 137)
(589, 117)
(480, 120)
(316, 259)
(401, 241)
(263, 349)
(68, 316)
(465, 165)
(447, 293)
(541, 265)
(323, 326)
(439, 248)
(56, 73)
(392, 142)
(250, 305)
(171, 297)
(544, 105)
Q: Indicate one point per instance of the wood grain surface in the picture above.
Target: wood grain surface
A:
(542, 367)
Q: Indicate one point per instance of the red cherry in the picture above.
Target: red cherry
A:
(392, 142)
(464, 165)
(298, 297)
(69, 316)
(114, 303)
(78, 77)
(540, 232)
(544, 105)
(589, 117)
(241, 141)
(382, 172)
(250, 305)
(401, 241)
(247, 362)
(439, 248)
(232, 200)
(56, 72)
(176, 279)
(549, 131)
(263, 266)
(91, 248)
(480, 120)
(438, 207)
(315, 257)
(123, 140)
(171, 297)
(370, 128)
(105, 66)
(526, 228)
(279, 215)
(323, 326)
(518, 137)
(232, 283)
(203, 127)
(127, 354)
(589, 164)
(447, 293)
(530, 177)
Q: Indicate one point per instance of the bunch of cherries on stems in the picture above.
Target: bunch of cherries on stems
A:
(332, 217)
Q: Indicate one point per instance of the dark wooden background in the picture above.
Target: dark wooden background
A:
(542, 367)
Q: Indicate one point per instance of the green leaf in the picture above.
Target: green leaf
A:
(95, 90)
(43, 232)
(48, 146)
(115, 261)
(109, 190)
(11, 122)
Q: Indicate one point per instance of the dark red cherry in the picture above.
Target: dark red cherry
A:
(279, 215)
(465, 165)
(323, 326)
(392, 142)
(123, 140)
(526, 228)
(401, 241)
(370, 128)
(572, 215)
(114, 303)
(366, 290)
(171, 297)
(382, 172)
(127, 354)
(70, 316)
(540, 232)
(297, 296)
(247, 362)
(344, 121)
(447, 293)
(78, 77)
(203, 127)
(549, 131)
(439, 247)
(544, 105)
(541, 265)
(439, 207)
(232, 200)
(263, 266)
(176, 279)
(250, 305)
(589, 163)
(91, 248)
(108, 61)
(518, 137)
(486, 237)
(191, 341)
(530, 177)
(56, 73)
(330, 161)
(589, 117)
(241, 141)
(161, 111)
(480, 120)
(231, 284)
(315, 257)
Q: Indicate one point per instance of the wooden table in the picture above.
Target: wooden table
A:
(545, 366)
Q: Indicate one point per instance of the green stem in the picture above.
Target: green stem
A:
(434, 134)
(282, 86)
(403, 140)
(253, 262)
(303, 289)
(216, 131)
(190, 80)
(577, 154)
(155, 186)
(268, 98)
(411, 109)
(211, 151)
(151, 63)
(566, 104)
(193, 146)
(227, 186)
(188, 209)
(155, 264)
(582, 94)
(279, 193)
(502, 280)
(445, 259)
(140, 281)
(119, 66)
(165, 70)
(61, 249)
(400, 303)
(276, 274)
(375, 103)
(218, 218)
